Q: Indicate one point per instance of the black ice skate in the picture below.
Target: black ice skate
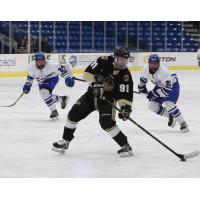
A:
(61, 146)
(64, 101)
(172, 121)
(184, 127)
(125, 151)
(54, 115)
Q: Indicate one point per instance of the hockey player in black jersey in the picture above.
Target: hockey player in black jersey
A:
(108, 78)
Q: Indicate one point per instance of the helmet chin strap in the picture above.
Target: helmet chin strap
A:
(152, 72)
(40, 66)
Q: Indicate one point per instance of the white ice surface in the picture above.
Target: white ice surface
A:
(27, 134)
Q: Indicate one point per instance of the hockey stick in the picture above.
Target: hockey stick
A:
(182, 157)
(136, 92)
(78, 79)
(15, 101)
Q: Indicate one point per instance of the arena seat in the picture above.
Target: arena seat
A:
(88, 36)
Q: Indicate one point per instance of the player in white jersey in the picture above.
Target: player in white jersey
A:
(198, 56)
(47, 72)
(165, 92)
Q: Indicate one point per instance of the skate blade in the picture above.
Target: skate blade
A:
(126, 154)
(54, 118)
(185, 130)
(62, 151)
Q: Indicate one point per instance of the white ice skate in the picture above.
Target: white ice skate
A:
(64, 101)
(184, 127)
(172, 121)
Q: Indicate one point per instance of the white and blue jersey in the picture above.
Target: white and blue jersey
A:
(166, 83)
(198, 57)
(49, 75)
(163, 97)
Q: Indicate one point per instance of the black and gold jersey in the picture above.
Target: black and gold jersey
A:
(103, 69)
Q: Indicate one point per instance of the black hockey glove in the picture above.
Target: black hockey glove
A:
(97, 89)
(125, 112)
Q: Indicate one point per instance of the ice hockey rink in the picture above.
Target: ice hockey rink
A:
(27, 134)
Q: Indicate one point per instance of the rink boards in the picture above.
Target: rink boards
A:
(15, 65)
(80, 71)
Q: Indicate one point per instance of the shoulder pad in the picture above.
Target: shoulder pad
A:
(108, 59)
(102, 59)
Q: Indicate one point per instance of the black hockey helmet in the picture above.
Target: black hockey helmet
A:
(122, 52)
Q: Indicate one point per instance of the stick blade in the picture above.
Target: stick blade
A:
(14, 102)
(191, 155)
(8, 106)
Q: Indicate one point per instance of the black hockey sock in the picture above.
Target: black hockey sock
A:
(121, 139)
(68, 134)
